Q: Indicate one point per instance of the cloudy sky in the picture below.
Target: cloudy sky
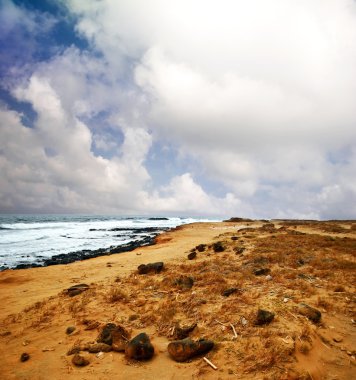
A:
(189, 107)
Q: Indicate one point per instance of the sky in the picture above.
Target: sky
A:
(182, 107)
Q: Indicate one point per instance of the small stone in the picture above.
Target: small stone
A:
(184, 282)
(192, 255)
(150, 268)
(228, 292)
(80, 361)
(97, 347)
(70, 329)
(310, 312)
(337, 338)
(200, 247)
(77, 289)
(139, 348)
(264, 317)
(261, 271)
(269, 277)
(183, 332)
(218, 247)
(183, 350)
(285, 300)
(24, 357)
(244, 321)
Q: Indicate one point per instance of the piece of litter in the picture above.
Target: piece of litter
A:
(285, 300)
(268, 277)
(210, 363)
(244, 321)
(100, 355)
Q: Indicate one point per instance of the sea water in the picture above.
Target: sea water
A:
(29, 239)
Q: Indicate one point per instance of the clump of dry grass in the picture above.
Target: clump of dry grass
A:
(116, 294)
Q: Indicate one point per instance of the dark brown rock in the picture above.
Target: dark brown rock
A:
(310, 312)
(183, 350)
(105, 334)
(77, 289)
(192, 255)
(218, 247)
(24, 357)
(120, 337)
(264, 317)
(261, 271)
(70, 329)
(150, 268)
(139, 348)
(183, 332)
(200, 247)
(99, 347)
(79, 361)
(228, 292)
(185, 282)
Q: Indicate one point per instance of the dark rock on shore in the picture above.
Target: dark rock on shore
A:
(115, 336)
(150, 268)
(79, 361)
(228, 292)
(310, 312)
(183, 350)
(66, 258)
(218, 247)
(24, 357)
(264, 317)
(77, 289)
(200, 247)
(184, 282)
(183, 332)
(99, 347)
(261, 271)
(139, 348)
(159, 218)
(192, 255)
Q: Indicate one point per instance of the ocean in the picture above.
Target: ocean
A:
(39, 240)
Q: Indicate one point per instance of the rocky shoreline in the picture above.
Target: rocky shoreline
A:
(150, 234)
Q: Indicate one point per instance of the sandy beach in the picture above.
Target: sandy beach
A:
(239, 268)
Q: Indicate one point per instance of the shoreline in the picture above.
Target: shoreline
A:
(67, 258)
(36, 310)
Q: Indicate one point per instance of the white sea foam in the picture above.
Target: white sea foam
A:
(30, 238)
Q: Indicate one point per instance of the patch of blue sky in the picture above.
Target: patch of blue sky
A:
(165, 162)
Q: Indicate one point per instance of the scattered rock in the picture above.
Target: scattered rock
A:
(234, 238)
(79, 361)
(183, 332)
(200, 247)
(237, 220)
(90, 324)
(139, 348)
(184, 282)
(77, 289)
(261, 271)
(105, 334)
(70, 329)
(228, 292)
(239, 250)
(120, 337)
(99, 347)
(151, 267)
(218, 247)
(264, 317)
(269, 277)
(337, 338)
(24, 357)
(74, 350)
(192, 255)
(183, 350)
(310, 312)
